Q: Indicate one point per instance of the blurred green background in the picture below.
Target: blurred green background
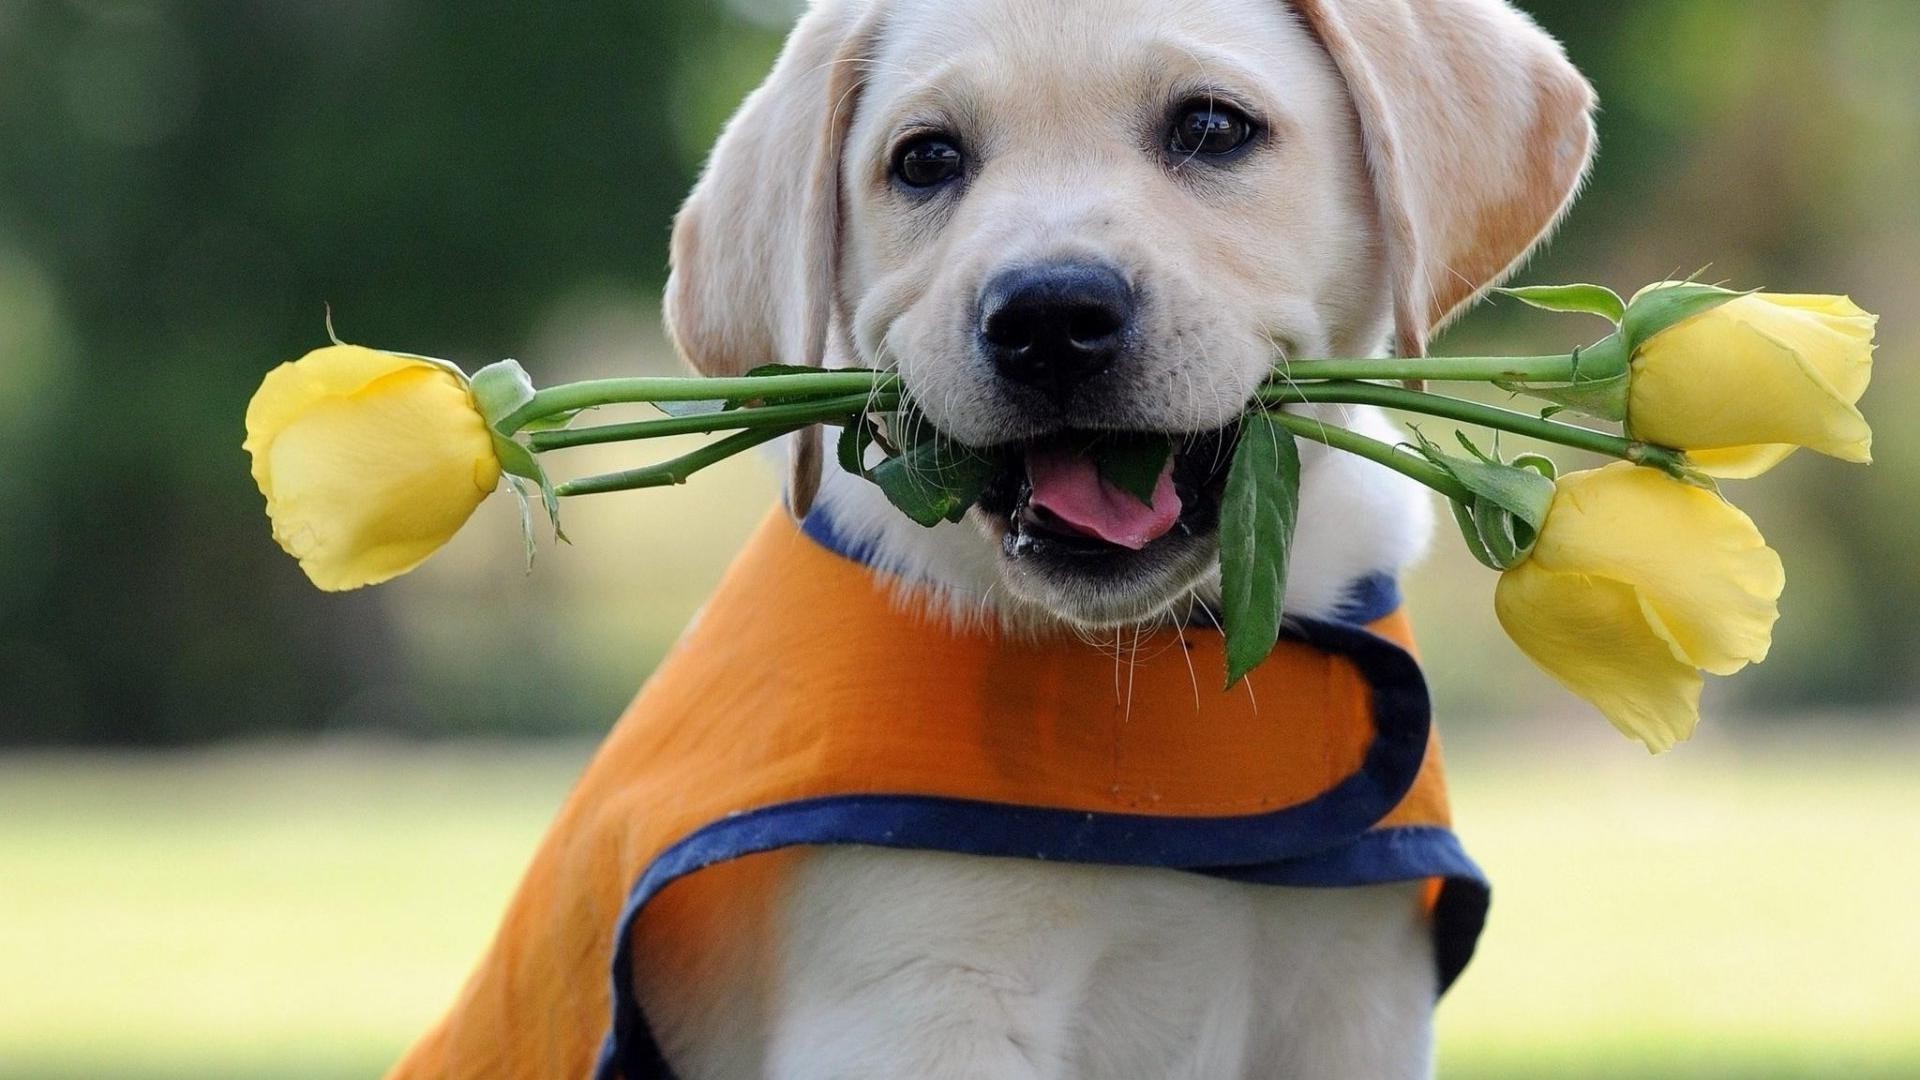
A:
(247, 829)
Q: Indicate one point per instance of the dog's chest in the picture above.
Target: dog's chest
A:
(871, 962)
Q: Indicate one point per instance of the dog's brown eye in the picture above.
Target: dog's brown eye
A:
(927, 162)
(1209, 129)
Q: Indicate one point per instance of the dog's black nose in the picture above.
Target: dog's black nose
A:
(1054, 326)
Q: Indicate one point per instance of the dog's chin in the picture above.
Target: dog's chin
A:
(1127, 588)
(1085, 581)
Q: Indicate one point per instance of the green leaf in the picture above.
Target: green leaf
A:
(1134, 464)
(1605, 399)
(1257, 517)
(1470, 532)
(1510, 501)
(1467, 444)
(499, 389)
(1599, 384)
(1505, 538)
(1608, 358)
(516, 460)
(855, 438)
(1539, 463)
(1586, 299)
(1657, 309)
(783, 369)
(934, 480)
(519, 487)
(555, 422)
(1522, 492)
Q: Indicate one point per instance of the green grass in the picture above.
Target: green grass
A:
(303, 911)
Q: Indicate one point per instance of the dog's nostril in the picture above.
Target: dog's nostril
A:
(1054, 326)
(1092, 326)
(1011, 330)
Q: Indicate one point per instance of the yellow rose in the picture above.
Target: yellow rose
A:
(1638, 583)
(1742, 385)
(370, 462)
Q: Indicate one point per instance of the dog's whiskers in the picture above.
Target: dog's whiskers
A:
(1248, 683)
(1185, 653)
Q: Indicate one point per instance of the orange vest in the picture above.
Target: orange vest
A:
(806, 705)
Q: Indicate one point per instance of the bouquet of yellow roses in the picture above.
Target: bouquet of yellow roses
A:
(1624, 582)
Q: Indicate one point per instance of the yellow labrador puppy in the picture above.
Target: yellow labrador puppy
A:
(1057, 216)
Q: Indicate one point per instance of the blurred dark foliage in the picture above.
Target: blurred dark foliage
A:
(437, 169)
(184, 184)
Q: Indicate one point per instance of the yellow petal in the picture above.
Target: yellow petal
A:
(1839, 313)
(1740, 462)
(1590, 634)
(1836, 369)
(363, 486)
(291, 388)
(1697, 562)
(1756, 374)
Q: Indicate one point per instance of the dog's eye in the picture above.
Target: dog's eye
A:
(1209, 129)
(927, 161)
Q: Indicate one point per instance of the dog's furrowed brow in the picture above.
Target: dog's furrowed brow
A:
(944, 97)
(1184, 70)
(1147, 72)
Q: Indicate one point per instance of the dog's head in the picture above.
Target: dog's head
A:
(1064, 219)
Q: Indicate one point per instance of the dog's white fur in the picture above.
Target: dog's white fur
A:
(1419, 149)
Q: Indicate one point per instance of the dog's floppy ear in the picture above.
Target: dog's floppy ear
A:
(756, 247)
(1477, 131)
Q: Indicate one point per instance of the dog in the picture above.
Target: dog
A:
(1054, 219)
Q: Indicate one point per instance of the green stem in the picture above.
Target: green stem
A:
(572, 397)
(1670, 461)
(1393, 457)
(676, 471)
(802, 399)
(593, 393)
(1551, 369)
(789, 414)
(1466, 412)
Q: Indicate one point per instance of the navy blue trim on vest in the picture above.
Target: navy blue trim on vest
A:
(826, 532)
(1323, 842)
(1369, 599)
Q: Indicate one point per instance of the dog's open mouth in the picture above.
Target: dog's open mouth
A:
(1057, 504)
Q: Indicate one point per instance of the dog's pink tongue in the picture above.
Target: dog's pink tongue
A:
(1068, 486)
